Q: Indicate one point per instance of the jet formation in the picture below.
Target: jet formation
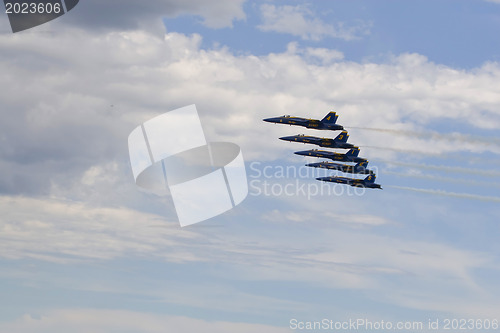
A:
(358, 164)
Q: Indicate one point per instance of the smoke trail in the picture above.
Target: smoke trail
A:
(448, 194)
(406, 151)
(468, 171)
(460, 142)
(452, 137)
(462, 157)
(442, 179)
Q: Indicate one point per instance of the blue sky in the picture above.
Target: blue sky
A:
(417, 85)
(421, 28)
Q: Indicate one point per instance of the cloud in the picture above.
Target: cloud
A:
(325, 55)
(123, 15)
(78, 95)
(63, 231)
(454, 137)
(70, 99)
(448, 169)
(417, 174)
(300, 21)
(450, 194)
(114, 81)
(356, 220)
(93, 320)
(315, 55)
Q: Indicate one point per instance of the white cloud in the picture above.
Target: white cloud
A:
(65, 231)
(355, 220)
(314, 55)
(325, 55)
(300, 21)
(66, 139)
(142, 76)
(59, 231)
(105, 321)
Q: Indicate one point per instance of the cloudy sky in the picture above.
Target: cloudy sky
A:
(416, 84)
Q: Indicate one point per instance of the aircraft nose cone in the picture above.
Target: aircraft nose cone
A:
(287, 138)
(270, 120)
(301, 153)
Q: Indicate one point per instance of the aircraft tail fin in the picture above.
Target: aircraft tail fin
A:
(370, 179)
(354, 152)
(363, 164)
(330, 118)
(342, 137)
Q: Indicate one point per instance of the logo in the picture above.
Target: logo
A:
(169, 154)
(25, 14)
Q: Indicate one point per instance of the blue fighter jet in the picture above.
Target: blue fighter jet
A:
(339, 142)
(368, 182)
(359, 168)
(350, 156)
(327, 123)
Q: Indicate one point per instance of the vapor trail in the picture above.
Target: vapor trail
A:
(448, 194)
(483, 140)
(406, 151)
(442, 179)
(469, 171)
(451, 155)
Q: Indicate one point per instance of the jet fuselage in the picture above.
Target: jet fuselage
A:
(351, 181)
(322, 142)
(331, 155)
(308, 123)
(358, 169)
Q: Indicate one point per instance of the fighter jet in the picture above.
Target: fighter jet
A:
(368, 182)
(339, 142)
(350, 156)
(359, 168)
(327, 123)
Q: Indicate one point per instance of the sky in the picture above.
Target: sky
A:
(415, 83)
